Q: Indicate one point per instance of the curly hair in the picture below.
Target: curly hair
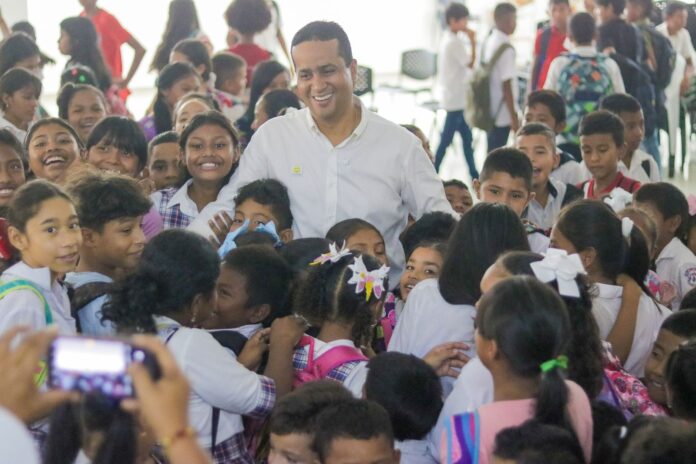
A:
(248, 16)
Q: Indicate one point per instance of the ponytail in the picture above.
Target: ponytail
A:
(552, 397)
(637, 262)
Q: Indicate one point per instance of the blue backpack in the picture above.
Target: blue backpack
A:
(582, 83)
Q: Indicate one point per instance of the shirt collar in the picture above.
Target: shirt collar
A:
(552, 188)
(181, 197)
(357, 132)
(617, 180)
(608, 291)
(39, 275)
(672, 250)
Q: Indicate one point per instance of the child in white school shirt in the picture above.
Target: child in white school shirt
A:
(675, 263)
(44, 227)
(173, 293)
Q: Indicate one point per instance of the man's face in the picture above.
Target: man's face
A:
(324, 81)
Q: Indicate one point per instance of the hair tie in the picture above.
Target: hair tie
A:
(333, 255)
(561, 362)
(691, 199)
(626, 227)
(623, 431)
(618, 199)
(563, 268)
(367, 281)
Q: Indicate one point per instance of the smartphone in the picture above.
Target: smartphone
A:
(88, 364)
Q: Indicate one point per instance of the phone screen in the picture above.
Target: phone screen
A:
(89, 364)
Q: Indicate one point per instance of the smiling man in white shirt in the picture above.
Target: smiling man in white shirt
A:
(337, 159)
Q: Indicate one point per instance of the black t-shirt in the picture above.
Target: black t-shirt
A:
(622, 36)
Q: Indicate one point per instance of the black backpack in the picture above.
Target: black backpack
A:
(665, 56)
(85, 294)
(639, 83)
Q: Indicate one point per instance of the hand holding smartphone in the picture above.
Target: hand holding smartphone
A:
(89, 364)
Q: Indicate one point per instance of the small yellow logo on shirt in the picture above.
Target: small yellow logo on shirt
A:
(297, 169)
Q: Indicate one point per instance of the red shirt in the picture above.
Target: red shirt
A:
(111, 36)
(554, 49)
(619, 181)
(253, 55)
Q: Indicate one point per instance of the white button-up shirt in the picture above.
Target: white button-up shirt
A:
(677, 265)
(24, 307)
(505, 69)
(637, 170)
(380, 173)
(453, 70)
(545, 216)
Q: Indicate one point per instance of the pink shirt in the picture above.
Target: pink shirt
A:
(495, 417)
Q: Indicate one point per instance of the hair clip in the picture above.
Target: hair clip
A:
(229, 244)
(334, 255)
(626, 227)
(561, 362)
(618, 199)
(563, 268)
(691, 199)
(368, 281)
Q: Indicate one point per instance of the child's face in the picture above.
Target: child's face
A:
(665, 229)
(281, 81)
(52, 150)
(559, 14)
(11, 173)
(85, 110)
(459, 198)
(231, 310)
(52, 237)
(501, 187)
(165, 165)
(64, 45)
(236, 84)
(108, 157)
(210, 153)
(21, 105)
(293, 448)
(119, 245)
(677, 21)
(257, 214)
(180, 88)
(424, 263)
(186, 112)
(542, 114)
(459, 25)
(260, 115)
(634, 130)
(666, 343)
(542, 153)
(634, 12)
(369, 242)
(601, 155)
(376, 450)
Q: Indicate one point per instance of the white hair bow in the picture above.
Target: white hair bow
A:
(626, 227)
(618, 199)
(334, 255)
(563, 268)
(367, 281)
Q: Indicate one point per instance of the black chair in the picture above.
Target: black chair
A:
(419, 65)
(363, 84)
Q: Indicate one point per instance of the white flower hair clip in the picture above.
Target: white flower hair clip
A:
(334, 255)
(563, 268)
(618, 199)
(368, 281)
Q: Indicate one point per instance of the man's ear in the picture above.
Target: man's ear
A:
(477, 188)
(286, 235)
(259, 313)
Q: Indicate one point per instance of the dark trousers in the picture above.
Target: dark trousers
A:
(498, 137)
(455, 122)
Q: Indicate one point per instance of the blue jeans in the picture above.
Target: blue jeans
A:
(454, 122)
(498, 137)
(651, 144)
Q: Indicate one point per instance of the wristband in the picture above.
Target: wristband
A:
(168, 441)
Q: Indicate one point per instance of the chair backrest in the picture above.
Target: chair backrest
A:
(419, 64)
(363, 81)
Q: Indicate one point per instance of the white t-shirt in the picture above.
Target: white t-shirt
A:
(453, 70)
(561, 62)
(676, 264)
(505, 69)
(637, 171)
(16, 444)
(605, 308)
(569, 172)
(428, 320)
(681, 41)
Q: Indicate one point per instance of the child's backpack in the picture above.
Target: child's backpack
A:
(85, 294)
(638, 83)
(665, 56)
(582, 83)
(478, 112)
(319, 368)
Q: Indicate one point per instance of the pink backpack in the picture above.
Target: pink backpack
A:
(319, 368)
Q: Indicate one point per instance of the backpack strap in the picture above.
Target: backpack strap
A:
(645, 164)
(541, 58)
(330, 359)
(23, 284)
(496, 56)
(230, 339)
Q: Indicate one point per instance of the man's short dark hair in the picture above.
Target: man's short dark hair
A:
(617, 6)
(647, 6)
(248, 16)
(324, 31)
(674, 7)
(456, 11)
(356, 419)
(619, 103)
(502, 10)
(510, 161)
(582, 28)
(603, 122)
(102, 197)
(550, 99)
(272, 193)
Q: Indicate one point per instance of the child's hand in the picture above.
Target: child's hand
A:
(447, 359)
(148, 185)
(220, 225)
(254, 348)
(287, 331)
